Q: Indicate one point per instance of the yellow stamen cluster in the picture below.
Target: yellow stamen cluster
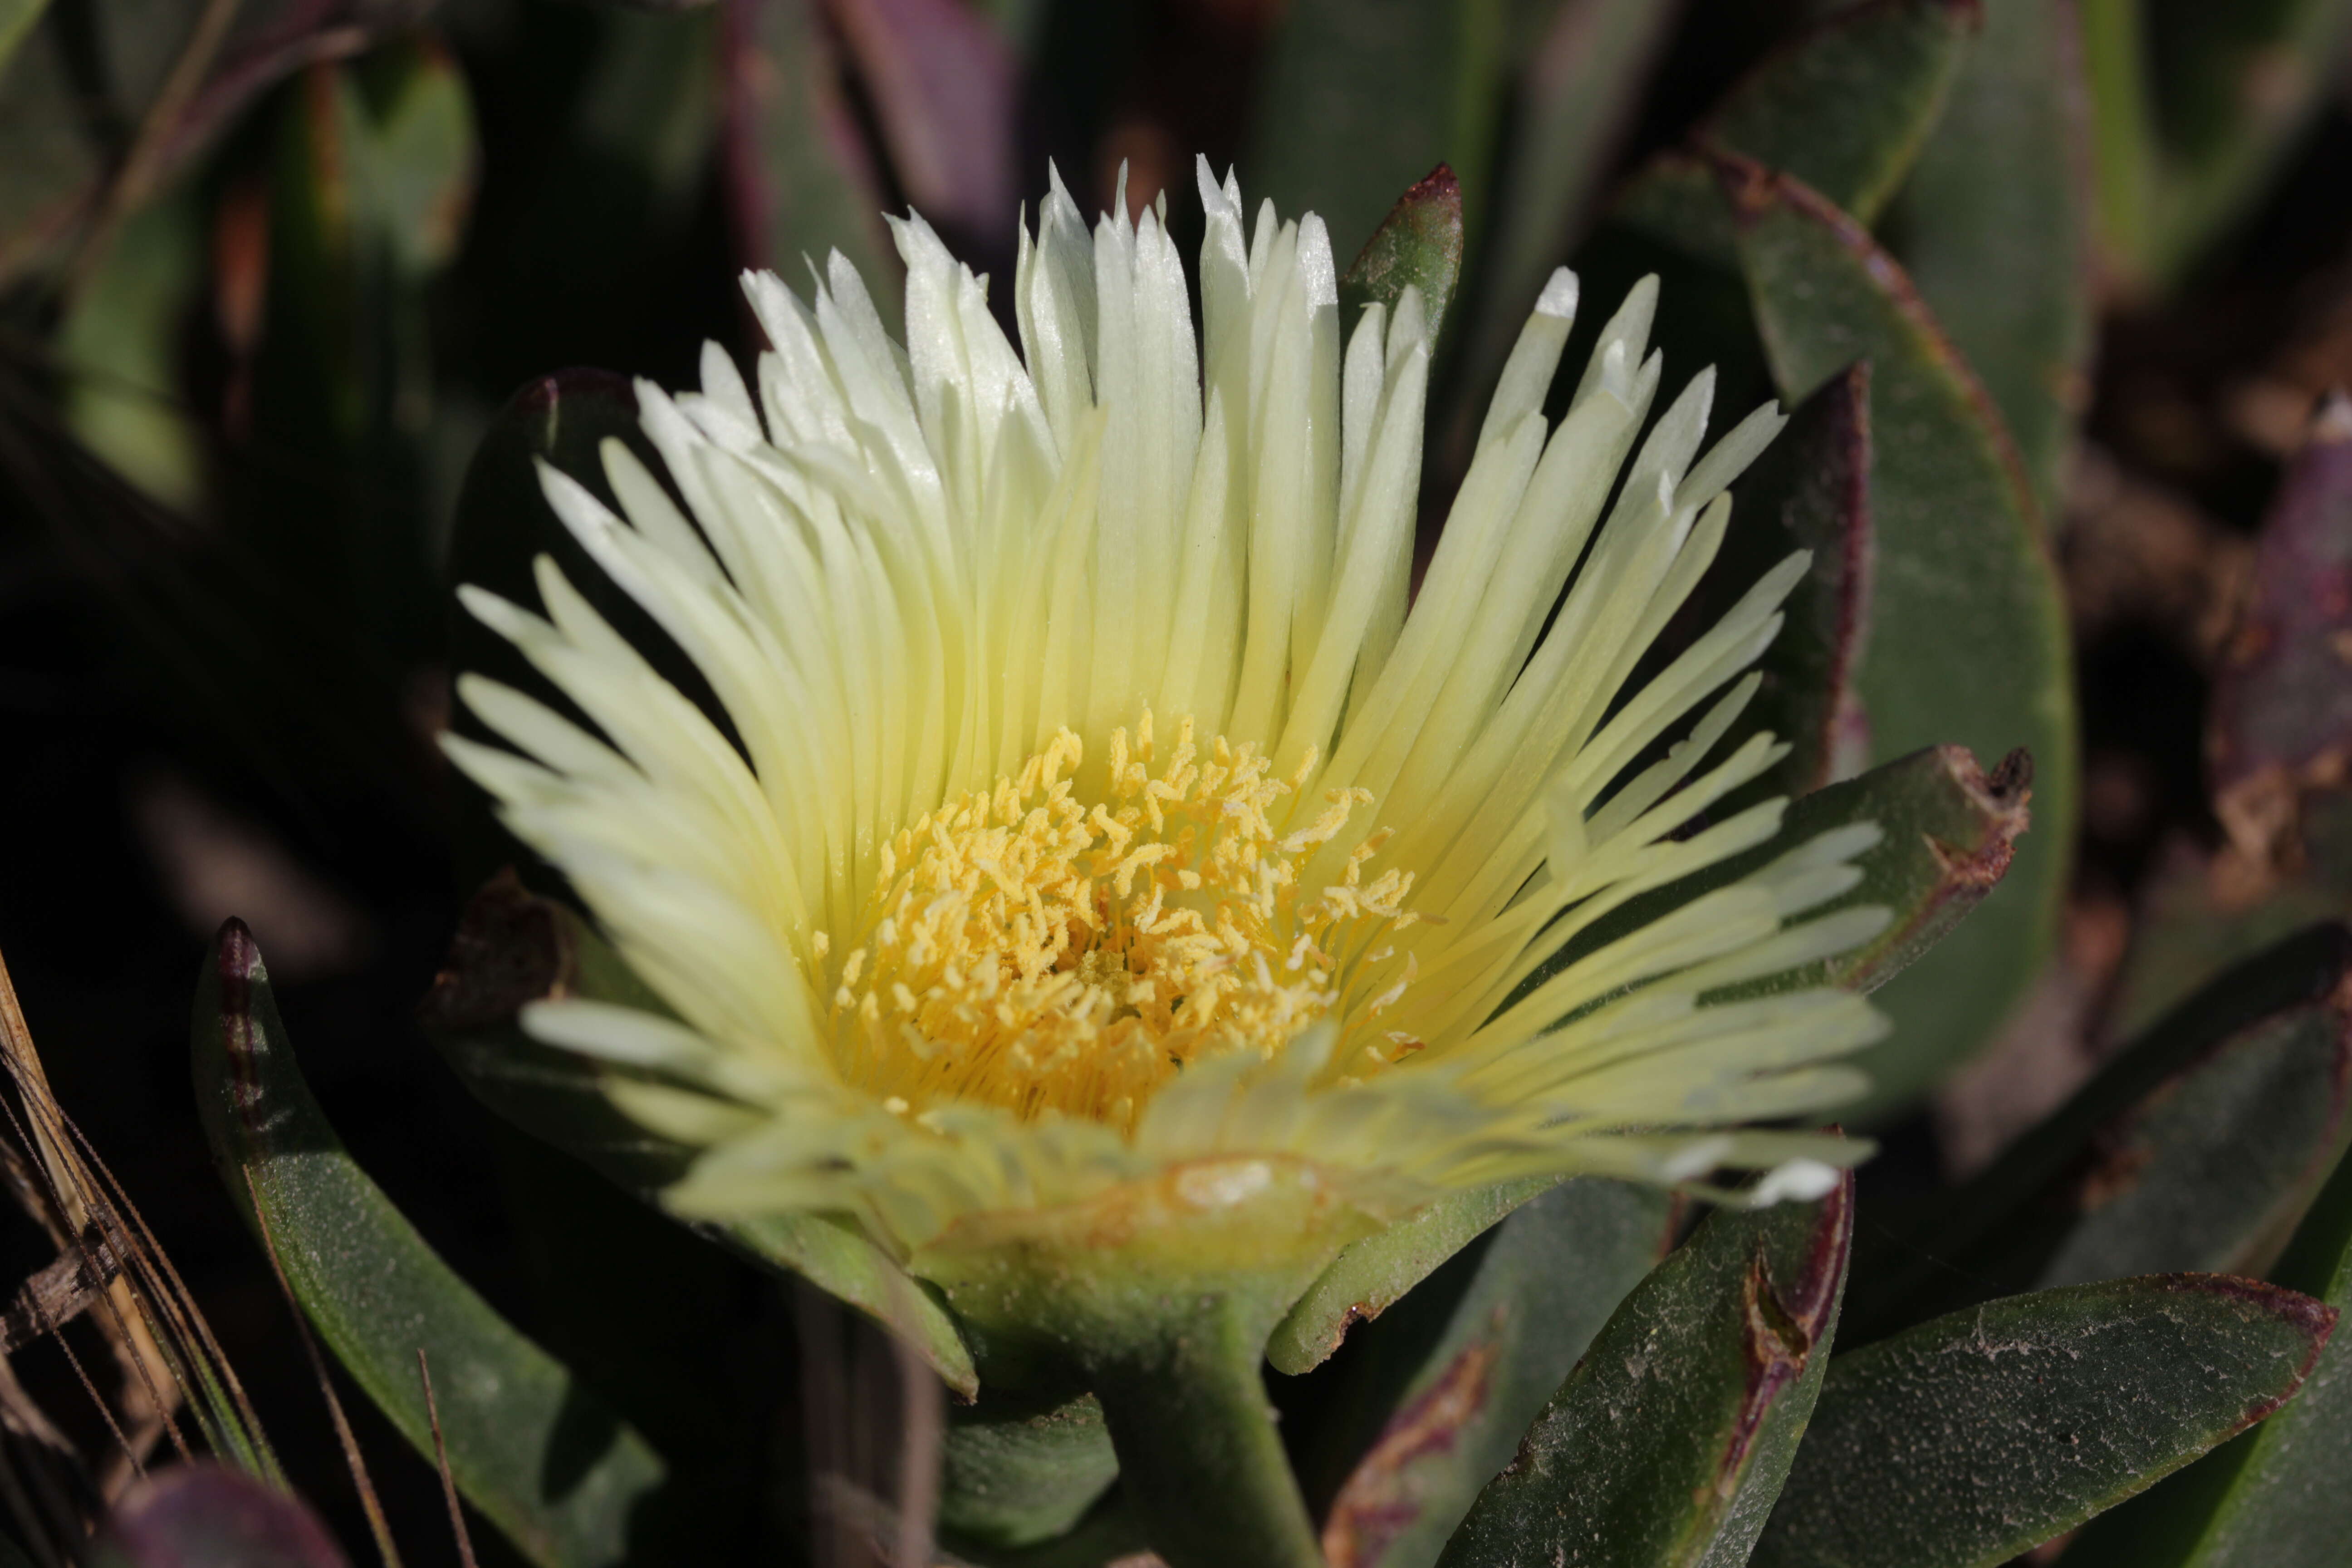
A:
(1032, 949)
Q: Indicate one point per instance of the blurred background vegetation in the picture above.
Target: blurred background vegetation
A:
(269, 270)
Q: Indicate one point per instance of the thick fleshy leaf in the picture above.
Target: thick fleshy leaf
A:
(1811, 490)
(1978, 1436)
(1581, 85)
(1358, 99)
(1949, 832)
(1015, 1472)
(1847, 107)
(796, 183)
(1418, 245)
(514, 948)
(540, 1455)
(1435, 1393)
(2272, 1497)
(203, 1515)
(2193, 918)
(1373, 1275)
(1995, 226)
(1666, 1444)
(1967, 639)
(2197, 1147)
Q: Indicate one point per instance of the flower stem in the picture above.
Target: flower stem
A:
(1198, 1451)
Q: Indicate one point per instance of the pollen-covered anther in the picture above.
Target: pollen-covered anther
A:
(1047, 953)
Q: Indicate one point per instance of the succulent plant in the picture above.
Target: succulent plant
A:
(1111, 911)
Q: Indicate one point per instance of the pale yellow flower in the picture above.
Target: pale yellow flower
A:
(1099, 804)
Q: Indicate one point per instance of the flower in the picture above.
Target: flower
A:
(1098, 819)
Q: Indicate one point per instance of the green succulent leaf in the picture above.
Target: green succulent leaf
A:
(1436, 1392)
(1948, 834)
(1358, 99)
(1994, 227)
(203, 1515)
(1959, 544)
(1667, 1443)
(1971, 1438)
(513, 948)
(2272, 1498)
(1371, 1276)
(1811, 490)
(1418, 245)
(1016, 1472)
(2198, 1146)
(540, 1455)
(1847, 107)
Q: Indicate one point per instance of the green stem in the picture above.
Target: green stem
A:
(1201, 1461)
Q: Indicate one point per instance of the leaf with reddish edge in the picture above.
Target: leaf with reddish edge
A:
(1668, 1442)
(2281, 710)
(942, 82)
(1980, 1435)
(1431, 1398)
(2272, 1498)
(539, 1454)
(1994, 226)
(1969, 638)
(1419, 244)
(205, 1515)
(1847, 107)
(514, 948)
(2198, 1146)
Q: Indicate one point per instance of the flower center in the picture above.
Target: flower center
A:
(1029, 948)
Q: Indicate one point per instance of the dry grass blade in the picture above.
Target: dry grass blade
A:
(441, 1463)
(111, 1279)
(374, 1506)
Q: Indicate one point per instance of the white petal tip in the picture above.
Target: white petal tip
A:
(1559, 296)
(1794, 1181)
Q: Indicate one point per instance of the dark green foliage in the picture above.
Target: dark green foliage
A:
(537, 1452)
(1968, 1439)
(270, 274)
(1669, 1441)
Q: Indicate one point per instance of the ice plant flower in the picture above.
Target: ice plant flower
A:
(1103, 841)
